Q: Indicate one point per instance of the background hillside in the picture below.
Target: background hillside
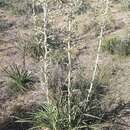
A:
(17, 33)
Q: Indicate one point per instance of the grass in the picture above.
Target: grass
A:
(3, 3)
(5, 25)
(83, 8)
(20, 79)
(55, 45)
(36, 51)
(17, 7)
(116, 45)
(125, 4)
(46, 117)
(84, 114)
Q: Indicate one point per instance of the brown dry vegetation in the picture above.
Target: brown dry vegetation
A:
(115, 69)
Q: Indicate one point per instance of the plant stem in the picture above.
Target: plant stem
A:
(45, 8)
(99, 48)
(69, 73)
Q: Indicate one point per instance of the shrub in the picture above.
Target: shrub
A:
(47, 116)
(20, 79)
(117, 46)
(83, 8)
(125, 4)
(3, 3)
(54, 43)
(86, 113)
(20, 7)
(17, 7)
(4, 25)
(35, 50)
(83, 114)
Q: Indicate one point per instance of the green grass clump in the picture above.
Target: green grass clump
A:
(125, 4)
(47, 116)
(4, 3)
(84, 114)
(117, 46)
(36, 51)
(20, 79)
(5, 25)
(17, 7)
(83, 8)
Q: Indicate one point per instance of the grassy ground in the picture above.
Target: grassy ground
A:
(115, 68)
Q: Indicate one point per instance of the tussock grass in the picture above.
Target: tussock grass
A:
(83, 8)
(19, 79)
(116, 45)
(5, 25)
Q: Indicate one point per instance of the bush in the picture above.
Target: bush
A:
(3, 3)
(54, 43)
(4, 25)
(36, 51)
(83, 8)
(17, 7)
(117, 46)
(125, 4)
(46, 117)
(86, 113)
(20, 79)
(83, 114)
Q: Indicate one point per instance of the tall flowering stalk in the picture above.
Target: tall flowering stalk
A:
(69, 71)
(43, 62)
(105, 11)
(73, 6)
(45, 9)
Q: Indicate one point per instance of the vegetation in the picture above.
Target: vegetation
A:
(17, 7)
(83, 8)
(74, 98)
(3, 3)
(117, 46)
(125, 4)
(20, 79)
(5, 25)
(83, 113)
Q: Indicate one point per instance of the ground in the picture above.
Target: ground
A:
(117, 68)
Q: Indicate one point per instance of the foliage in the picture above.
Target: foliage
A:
(125, 4)
(54, 116)
(20, 7)
(55, 46)
(17, 7)
(118, 46)
(83, 113)
(86, 113)
(36, 51)
(83, 8)
(3, 3)
(4, 25)
(20, 79)
(46, 117)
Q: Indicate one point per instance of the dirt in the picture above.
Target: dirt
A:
(119, 81)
